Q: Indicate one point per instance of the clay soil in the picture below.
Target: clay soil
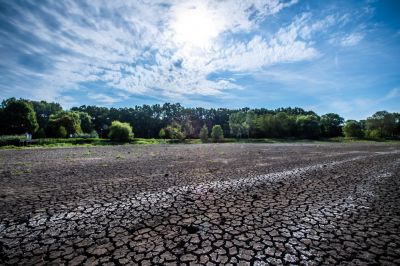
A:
(201, 204)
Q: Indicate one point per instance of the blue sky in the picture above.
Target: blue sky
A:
(328, 56)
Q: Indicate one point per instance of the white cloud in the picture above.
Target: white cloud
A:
(103, 98)
(351, 39)
(141, 47)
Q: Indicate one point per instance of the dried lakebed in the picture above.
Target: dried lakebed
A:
(250, 204)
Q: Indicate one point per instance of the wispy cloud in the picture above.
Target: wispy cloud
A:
(172, 50)
(134, 46)
(351, 39)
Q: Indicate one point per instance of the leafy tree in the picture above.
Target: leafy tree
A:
(120, 131)
(217, 134)
(352, 129)
(241, 123)
(308, 126)
(68, 119)
(18, 117)
(43, 111)
(187, 128)
(331, 125)
(383, 122)
(174, 131)
(204, 134)
(86, 122)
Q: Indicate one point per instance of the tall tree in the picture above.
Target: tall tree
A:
(18, 117)
(331, 125)
(67, 119)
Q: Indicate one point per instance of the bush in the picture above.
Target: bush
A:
(161, 134)
(11, 139)
(40, 133)
(217, 134)
(352, 129)
(174, 131)
(121, 132)
(61, 132)
(92, 135)
(373, 134)
(70, 121)
(204, 134)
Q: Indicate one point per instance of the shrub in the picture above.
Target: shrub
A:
(11, 139)
(61, 132)
(373, 134)
(92, 135)
(204, 134)
(174, 131)
(121, 132)
(70, 121)
(161, 134)
(352, 129)
(40, 133)
(217, 134)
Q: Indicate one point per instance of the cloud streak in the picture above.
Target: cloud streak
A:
(134, 46)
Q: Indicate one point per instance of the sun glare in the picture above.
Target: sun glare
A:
(195, 26)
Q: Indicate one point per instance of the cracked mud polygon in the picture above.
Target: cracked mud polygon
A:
(250, 204)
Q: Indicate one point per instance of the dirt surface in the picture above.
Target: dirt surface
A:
(197, 204)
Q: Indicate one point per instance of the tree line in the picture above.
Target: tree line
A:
(48, 119)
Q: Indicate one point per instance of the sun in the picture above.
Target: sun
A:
(194, 26)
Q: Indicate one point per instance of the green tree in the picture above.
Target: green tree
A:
(331, 125)
(308, 126)
(174, 131)
(86, 122)
(43, 111)
(187, 128)
(352, 129)
(120, 131)
(18, 117)
(382, 122)
(241, 123)
(68, 119)
(217, 134)
(204, 134)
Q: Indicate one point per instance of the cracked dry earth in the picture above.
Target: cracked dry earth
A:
(251, 204)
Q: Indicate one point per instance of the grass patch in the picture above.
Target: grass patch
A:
(91, 142)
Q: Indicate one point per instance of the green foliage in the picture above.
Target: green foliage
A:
(67, 119)
(331, 125)
(11, 139)
(40, 133)
(278, 125)
(373, 134)
(179, 123)
(61, 132)
(86, 122)
(90, 135)
(240, 124)
(352, 129)
(383, 124)
(17, 117)
(174, 131)
(308, 126)
(204, 134)
(187, 128)
(43, 111)
(217, 134)
(161, 134)
(121, 132)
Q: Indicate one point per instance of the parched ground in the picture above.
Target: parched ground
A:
(201, 204)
